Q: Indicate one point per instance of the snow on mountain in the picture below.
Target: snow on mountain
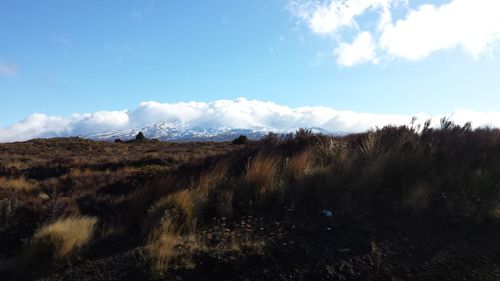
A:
(169, 131)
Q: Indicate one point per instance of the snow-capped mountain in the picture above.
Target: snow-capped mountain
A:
(168, 131)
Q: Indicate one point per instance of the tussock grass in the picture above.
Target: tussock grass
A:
(213, 177)
(175, 192)
(168, 250)
(16, 164)
(177, 212)
(300, 165)
(62, 240)
(21, 184)
(262, 173)
(171, 224)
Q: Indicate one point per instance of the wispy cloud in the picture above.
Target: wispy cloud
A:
(8, 70)
(239, 113)
(472, 25)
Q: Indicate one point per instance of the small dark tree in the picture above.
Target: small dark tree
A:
(140, 137)
(118, 140)
(242, 139)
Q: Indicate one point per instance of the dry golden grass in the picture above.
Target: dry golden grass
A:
(177, 212)
(172, 237)
(300, 165)
(369, 144)
(16, 164)
(76, 173)
(262, 173)
(165, 248)
(62, 239)
(21, 184)
(212, 178)
(112, 230)
(214, 185)
(177, 189)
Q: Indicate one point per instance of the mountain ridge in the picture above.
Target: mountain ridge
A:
(170, 131)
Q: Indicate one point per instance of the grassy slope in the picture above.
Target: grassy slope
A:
(405, 204)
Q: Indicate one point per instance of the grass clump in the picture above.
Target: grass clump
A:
(63, 239)
(171, 224)
(262, 173)
(21, 184)
(177, 212)
(167, 250)
(300, 165)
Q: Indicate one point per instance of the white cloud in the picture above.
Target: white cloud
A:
(83, 124)
(239, 113)
(472, 25)
(330, 17)
(8, 70)
(36, 126)
(362, 49)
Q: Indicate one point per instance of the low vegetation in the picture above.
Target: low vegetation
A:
(214, 209)
(61, 240)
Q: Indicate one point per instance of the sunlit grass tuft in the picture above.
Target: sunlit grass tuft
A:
(62, 239)
(21, 184)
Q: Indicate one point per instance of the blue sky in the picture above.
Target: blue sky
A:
(64, 57)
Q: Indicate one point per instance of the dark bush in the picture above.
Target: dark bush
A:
(140, 137)
(242, 139)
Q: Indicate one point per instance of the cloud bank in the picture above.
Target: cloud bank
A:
(471, 25)
(239, 113)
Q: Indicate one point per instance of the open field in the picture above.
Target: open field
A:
(398, 203)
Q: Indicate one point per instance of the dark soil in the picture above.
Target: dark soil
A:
(330, 248)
